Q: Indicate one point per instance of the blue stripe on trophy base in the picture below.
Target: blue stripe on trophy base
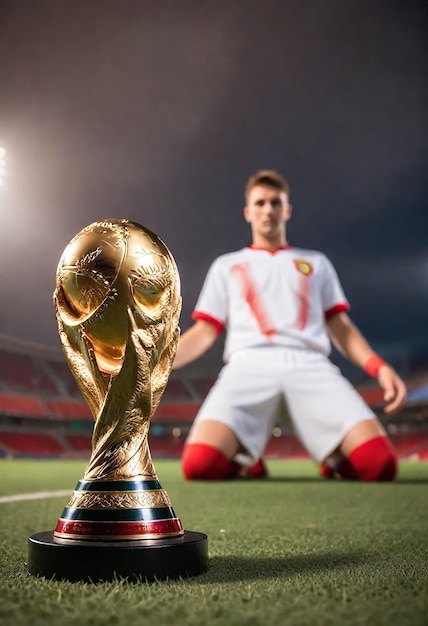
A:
(118, 485)
(118, 515)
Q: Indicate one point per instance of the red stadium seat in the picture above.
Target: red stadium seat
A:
(63, 409)
(79, 443)
(19, 371)
(22, 406)
(32, 444)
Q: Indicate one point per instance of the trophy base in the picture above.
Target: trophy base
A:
(136, 561)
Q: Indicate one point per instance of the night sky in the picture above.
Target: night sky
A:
(158, 111)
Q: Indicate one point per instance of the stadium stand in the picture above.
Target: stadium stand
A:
(63, 376)
(21, 405)
(31, 444)
(177, 391)
(202, 385)
(20, 372)
(79, 444)
(285, 446)
(43, 414)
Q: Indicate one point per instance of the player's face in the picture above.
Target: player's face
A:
(267, 211)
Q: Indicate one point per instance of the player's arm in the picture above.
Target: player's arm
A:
(350, 342)
(195, 342)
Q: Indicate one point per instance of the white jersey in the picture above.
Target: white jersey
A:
(265, 298)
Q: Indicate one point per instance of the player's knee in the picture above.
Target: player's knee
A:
(194, 463)
(388, 469)
(201, 461)
(381, 469)
(374, 460)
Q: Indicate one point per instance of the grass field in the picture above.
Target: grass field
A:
(293, 550)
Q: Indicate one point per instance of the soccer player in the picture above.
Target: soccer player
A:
(281, 306)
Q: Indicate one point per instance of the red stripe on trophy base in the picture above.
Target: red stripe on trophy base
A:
(69, 529)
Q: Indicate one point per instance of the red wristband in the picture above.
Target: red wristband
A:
(373, 365)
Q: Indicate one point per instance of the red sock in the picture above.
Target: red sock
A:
(203, 462)
(258, 470)
(375, 459)
(326, 472)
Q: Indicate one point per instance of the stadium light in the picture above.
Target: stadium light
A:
(2, 165)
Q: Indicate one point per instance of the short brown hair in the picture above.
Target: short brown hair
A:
(268, 178)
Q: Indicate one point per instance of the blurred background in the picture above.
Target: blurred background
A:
(158, 112)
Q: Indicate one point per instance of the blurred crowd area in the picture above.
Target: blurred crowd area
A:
(43, 414)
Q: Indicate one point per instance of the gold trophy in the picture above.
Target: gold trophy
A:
(117, 303)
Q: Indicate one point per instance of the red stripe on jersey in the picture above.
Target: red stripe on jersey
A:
(338, 308)
(254, 301)
(198, 315)
(303, 315)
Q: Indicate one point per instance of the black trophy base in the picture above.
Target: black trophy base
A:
(135, 561)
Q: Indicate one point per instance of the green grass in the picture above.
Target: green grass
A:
(293, 550)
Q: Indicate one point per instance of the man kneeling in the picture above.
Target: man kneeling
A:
(282, 306)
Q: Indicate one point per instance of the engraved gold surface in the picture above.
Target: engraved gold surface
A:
(117, 303)
(119, 500)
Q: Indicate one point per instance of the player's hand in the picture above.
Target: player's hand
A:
(395, 391)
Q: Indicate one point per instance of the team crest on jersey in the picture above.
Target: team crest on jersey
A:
(303, 267)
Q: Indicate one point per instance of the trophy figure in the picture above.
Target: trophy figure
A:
(117, 302)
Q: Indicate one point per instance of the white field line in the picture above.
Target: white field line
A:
(37, 495)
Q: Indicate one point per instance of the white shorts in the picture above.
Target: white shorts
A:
(250, 390)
